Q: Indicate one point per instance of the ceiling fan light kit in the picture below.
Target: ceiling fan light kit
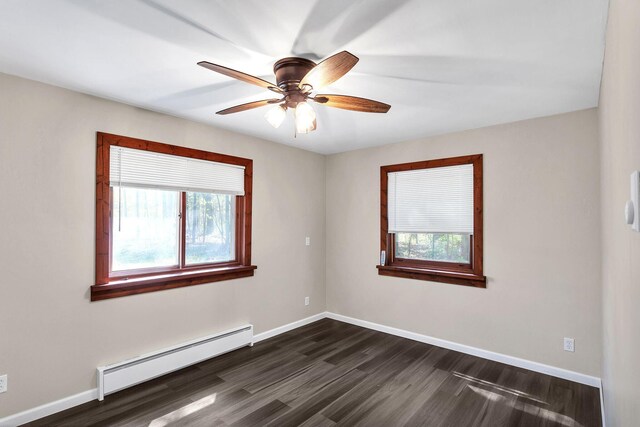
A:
(305, 118)
(297, 80)
(276, 115)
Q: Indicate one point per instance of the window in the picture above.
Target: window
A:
(168, 216)
(431, 220)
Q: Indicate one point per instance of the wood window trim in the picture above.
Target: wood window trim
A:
(458, 274)
(108, 285)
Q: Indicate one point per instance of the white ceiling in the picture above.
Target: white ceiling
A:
(443, 65)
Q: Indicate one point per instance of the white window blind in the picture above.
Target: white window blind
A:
(139, 168)
(434, 200)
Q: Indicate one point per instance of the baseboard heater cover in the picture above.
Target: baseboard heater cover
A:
(119, 376)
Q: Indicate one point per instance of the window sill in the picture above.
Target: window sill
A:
(464, 279)
(123, 287)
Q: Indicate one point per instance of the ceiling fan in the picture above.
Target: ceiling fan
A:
(297, 80)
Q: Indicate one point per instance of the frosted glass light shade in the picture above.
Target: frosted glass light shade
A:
(275, 116)
(305, 118)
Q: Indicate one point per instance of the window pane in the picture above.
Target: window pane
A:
(145, 231)
(210, 228)
(448, 247)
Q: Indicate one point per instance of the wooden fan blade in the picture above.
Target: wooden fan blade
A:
(249, 106)
(329, 70)
(247, 78)
(352, 103)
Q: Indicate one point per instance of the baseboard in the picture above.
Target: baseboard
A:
(49, 408)
(288, 327)
(89, 395)
(474, 351)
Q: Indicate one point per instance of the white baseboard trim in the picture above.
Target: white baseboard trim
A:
(474, 351)
(49, 408)
(286, 328)
(89, 395)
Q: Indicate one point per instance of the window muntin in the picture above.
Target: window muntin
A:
(431, 220)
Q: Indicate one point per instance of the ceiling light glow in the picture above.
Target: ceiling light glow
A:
(276, 115)
(305, 118)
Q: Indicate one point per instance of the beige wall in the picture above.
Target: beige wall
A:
(542, 243)
(620, 135)
(51, 336)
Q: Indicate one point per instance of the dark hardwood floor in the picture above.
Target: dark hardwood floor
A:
(332, 373)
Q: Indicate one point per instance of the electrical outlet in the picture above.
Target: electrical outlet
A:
(569, 344)
(306, 300)
(307, 241)
(3, 383)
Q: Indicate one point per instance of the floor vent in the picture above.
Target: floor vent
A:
(125, 374)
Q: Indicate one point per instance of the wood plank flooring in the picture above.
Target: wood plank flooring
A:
(331, 373)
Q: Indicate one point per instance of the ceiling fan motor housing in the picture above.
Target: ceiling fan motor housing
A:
(289, 72)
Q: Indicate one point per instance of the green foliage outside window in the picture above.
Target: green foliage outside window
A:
(448, 247)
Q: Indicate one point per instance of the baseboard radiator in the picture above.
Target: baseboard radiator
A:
(125, 374)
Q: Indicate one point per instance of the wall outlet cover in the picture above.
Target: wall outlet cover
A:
(569, 344)
(4, 385)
